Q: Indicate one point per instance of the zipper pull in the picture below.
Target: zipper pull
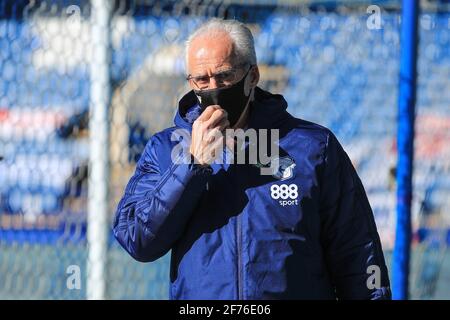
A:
(207, 185)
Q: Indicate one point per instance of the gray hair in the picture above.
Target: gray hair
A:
(244, 45)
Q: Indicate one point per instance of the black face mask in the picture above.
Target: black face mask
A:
(231, 98)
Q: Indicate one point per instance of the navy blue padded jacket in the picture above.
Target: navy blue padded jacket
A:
(233, 233)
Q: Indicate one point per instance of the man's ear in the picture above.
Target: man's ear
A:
(254, 76)
(252, 80)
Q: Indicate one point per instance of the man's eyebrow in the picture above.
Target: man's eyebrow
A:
(198, 75)
(225, 69)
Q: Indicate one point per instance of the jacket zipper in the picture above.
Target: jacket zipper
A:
(240, 266)
(239, 253)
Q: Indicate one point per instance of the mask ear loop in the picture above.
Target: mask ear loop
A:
(246, 76)
(249, 101)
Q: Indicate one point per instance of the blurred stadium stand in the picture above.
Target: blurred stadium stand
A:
(321, 55)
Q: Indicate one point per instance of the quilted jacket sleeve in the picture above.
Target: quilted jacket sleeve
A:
(156, 205)
(349, 235)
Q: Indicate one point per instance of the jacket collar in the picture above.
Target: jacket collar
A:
(267, 110)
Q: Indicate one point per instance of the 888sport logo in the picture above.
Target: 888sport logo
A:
(287, 194)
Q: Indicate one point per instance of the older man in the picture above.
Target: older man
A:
(305, 232)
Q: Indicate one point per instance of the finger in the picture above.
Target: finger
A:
(215, 118)
(223, 124)
(213, 151)
(206, 114)
(212, 135)
(230, 142)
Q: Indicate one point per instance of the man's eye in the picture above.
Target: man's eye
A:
(201, 79)
(225, 76)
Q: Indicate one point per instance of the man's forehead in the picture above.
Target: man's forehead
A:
(204, 66)
(211, 50)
